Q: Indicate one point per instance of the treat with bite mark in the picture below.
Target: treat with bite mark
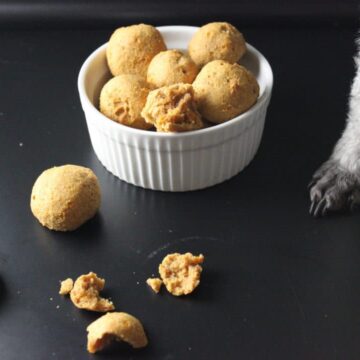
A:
(85, 294)
(172, 109)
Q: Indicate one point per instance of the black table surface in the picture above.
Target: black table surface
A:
(277, 284)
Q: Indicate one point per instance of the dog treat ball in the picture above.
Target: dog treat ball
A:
(122, 98)
(65, 197)
(172, 109)
(130, 49)
(217, 41)
(224, 90)
(171, 67)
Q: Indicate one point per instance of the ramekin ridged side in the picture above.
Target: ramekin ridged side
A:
(171, 162)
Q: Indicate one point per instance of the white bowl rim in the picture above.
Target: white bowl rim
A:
(217, 127)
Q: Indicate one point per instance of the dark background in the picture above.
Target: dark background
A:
(111, 13)
(277, 284)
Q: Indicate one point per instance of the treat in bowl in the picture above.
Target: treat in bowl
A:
(224, 91)
(171, 67)
(130, 49)
(217, 41)
(172, 109)
(65, 197)
(122, 98)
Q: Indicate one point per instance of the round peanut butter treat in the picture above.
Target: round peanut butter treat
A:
(171, 67)
(122, 98)
(217, 41)
(224, 90)
(130, 49)
(172, 109)
(65, 197)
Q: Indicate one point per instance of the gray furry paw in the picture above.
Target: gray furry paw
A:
(333, 188)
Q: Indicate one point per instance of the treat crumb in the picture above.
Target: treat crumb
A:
(66, 286)
(155, 284)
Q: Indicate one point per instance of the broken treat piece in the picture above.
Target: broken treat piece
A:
(172, 109)
(66, 286)
(155, 284)
(85, 294)
(181, 272)
(117, 326)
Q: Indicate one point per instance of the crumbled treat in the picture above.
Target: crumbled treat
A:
(85, 294)
(65, 197)
(131, 48)
(181, 272)
(117, 326)
(172, 109)
(155, 284)
(224, 91)
(171, 67)
(217, 41)
(66, 286)
(122, 98)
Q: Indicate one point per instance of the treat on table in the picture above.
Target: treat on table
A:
(131, 48)
(171, 67)
(155, 284)
(217, 41)
(65, 197)
(122, 98)
(172, 109)
(117, 326)
(181, 272)
(85, 294)
(224, 90)
(66, 286)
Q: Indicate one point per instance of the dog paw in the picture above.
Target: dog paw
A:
(333, 188)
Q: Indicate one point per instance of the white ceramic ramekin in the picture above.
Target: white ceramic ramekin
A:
(174, 162)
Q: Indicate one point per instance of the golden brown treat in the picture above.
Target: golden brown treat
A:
(171, 67)
(117, 326)
(65, 197)
(85, 294)
(122, 98)
(181, 272)
(130, 49)
(66, 286)
(217, 41)
(155, 284)
(224, 90)
(172, 109)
